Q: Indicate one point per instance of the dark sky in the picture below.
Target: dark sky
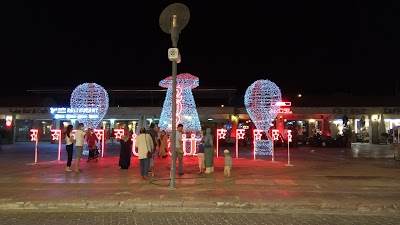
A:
(311, 47)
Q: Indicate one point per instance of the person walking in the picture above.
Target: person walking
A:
(144, 144)
(79, 142)
(179, 148)
(69, 147)
(208, 151)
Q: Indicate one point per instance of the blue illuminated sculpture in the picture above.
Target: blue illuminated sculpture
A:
(186, 112)
(258, 100)
(89, 102)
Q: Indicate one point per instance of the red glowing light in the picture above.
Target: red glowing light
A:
(34, 134)
(240, 133)
(221, 133)
(56, 133)
(257, 134)
(289, 135)
(281, 103)
(275, 134)
(119, 133)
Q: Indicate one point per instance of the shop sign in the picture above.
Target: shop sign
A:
(338, 110)
(29, 110)
(391, 111)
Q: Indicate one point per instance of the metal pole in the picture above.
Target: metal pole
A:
(174, 38)
(288, 154)
(173, 133)
(273, 149)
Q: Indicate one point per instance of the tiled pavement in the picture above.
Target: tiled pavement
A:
(362, 178)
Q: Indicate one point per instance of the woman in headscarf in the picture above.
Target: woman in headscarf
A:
(208, 151)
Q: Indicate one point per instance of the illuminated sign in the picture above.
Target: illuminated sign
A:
(8, 121)
(275, 134)
(282, 109)
(118, 133)
(281, 103)
(289, 135)
(178, 104)
(69, 113)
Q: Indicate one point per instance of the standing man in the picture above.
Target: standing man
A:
(79, 142)
(179, 148)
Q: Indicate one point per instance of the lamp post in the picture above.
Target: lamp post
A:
(172, 20)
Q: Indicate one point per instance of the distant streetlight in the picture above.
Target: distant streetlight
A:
(172, 20)
(299, 95)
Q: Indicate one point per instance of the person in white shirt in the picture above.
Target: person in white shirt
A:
(79, 142)
(144, 144)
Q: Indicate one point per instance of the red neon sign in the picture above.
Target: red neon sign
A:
(179, 106)
(281, 103)
(282, 110)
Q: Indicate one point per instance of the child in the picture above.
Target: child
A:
(228, 163)
(92, 144)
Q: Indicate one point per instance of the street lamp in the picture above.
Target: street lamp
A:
(172, 20)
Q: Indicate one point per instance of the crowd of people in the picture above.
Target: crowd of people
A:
(149, 143)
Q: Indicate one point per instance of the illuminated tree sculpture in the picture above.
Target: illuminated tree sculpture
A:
(186, 112)
(257, 100)
(89, 102)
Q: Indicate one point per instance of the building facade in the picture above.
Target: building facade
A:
(368, 123)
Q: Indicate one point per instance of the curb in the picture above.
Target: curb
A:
(195, 206)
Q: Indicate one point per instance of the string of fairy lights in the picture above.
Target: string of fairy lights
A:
(258, 100)
(90, 102)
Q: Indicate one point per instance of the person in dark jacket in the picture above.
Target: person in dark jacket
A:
(126, 151)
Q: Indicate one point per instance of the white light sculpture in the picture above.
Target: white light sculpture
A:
(185, 105)
(259, 101)
(89, 102)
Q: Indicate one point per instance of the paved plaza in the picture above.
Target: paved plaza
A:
(364, 178)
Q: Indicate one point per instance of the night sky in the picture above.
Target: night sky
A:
(308, 47)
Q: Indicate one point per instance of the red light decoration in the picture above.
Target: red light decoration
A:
(257, 134)
(119, 133)
(281, 103)
(100, 136)
(282, 110)
(239, 135)
(34, 137)
(56, 135)
(275, 134)
(289, 135)
(134, 152)
(193, 144)
(179, 107)
(34, 134)
(221, 133)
